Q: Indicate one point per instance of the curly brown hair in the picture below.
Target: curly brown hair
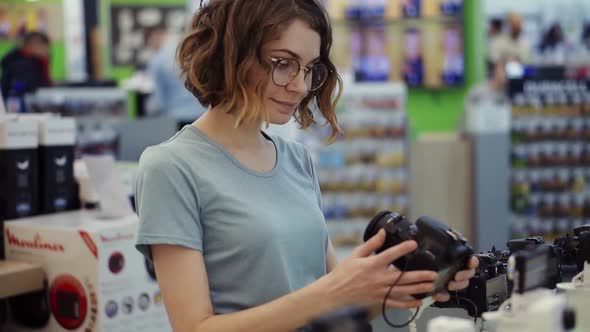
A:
(217, 54)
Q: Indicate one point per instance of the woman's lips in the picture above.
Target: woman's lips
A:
(287, 106)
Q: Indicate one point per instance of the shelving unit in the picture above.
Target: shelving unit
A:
(365, 170)
(550, 158)
(418, 42)
(97, 110)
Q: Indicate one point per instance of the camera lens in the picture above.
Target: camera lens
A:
(375, 225)
(390, 221)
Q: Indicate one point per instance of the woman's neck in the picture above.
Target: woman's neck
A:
(220, 126)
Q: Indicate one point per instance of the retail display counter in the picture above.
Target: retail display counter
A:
(18, 277)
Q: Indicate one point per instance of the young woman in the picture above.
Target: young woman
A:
(230, 215)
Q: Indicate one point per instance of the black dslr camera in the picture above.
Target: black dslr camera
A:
(488, 288)
(530, 243)
(440, 248)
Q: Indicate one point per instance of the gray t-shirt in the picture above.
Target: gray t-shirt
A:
(262, 235)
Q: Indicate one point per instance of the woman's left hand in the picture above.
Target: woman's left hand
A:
(460, 281)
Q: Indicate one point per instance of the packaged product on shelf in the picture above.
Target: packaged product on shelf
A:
(586, 127)
(546, 129)
(585, 107)
(561, 128)
(533, 155)
(535, 180)
(563, 206)
(547, 208)
(391, 154)
(532, 129)
(519, 156)
(574, 156)
(586, 212)
(517, 128)
(533, 205)
(563, 180)
(586, 158)
(57, 140)
(19, 165)
(19, 158)
(578, 206)
(575, 129)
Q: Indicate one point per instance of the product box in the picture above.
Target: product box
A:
(18, 170)
(57, 139)
(95, 278)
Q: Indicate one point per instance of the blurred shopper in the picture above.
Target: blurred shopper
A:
(155, 38)
(512, 43)
(583, 54)
(552, 49)
(494, 37)
(231, 215)
(170, 96)
(26, 68)
(495, 28)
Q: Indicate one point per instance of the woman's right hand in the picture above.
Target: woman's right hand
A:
(364, 279)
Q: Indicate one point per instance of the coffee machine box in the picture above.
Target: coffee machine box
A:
(96, 279)
(18, 170)
(57, 139)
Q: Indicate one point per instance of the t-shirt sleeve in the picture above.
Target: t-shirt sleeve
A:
(167, 203)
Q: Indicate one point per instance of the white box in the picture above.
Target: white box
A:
(96, 279)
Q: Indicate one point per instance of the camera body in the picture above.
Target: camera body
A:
(529, 245)
(533, 306)
(487, 289)
(440, 248)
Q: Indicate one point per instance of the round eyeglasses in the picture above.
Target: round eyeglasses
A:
(284, 72)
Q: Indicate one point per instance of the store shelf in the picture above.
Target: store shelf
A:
(550, 160)
(365, 170)
(379, 20)
(19, 277)
(97, 111)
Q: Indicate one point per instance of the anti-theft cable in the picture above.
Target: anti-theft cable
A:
(475, 311)
(384, 305)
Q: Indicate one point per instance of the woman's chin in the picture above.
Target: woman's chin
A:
(279, 119)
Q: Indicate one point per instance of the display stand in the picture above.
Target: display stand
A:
(441, 181)
(491, 169)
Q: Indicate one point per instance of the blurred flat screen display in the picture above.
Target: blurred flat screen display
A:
(418, 41)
